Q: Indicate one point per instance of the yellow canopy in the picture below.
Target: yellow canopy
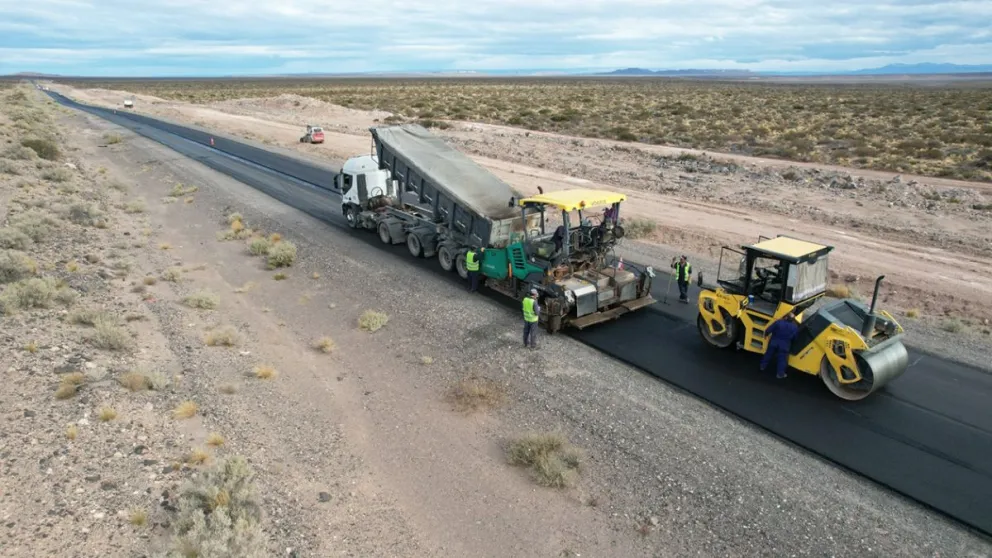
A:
(572, 200)
(789, 247)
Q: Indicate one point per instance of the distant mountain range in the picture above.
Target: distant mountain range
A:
(891, 69)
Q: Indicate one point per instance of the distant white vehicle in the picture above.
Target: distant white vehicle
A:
(128, 103)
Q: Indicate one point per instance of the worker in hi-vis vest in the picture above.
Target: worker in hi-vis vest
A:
(682, 273)
(472, 266)
(531, 312)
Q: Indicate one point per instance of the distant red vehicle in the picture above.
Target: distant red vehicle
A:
(315, 134)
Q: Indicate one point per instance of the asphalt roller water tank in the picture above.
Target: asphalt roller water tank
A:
(878, 366)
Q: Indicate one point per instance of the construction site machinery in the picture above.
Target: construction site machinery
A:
(855, 349)
(315, 134)
(417, 190)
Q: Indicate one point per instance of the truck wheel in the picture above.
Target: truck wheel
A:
(384, 234)
(413, 243)
(445, 258)
(460, 265)
(351, 215)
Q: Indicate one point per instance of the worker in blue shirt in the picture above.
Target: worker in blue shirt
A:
(780, 335)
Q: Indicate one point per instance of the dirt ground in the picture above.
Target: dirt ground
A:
(931, 238)
(357, 451)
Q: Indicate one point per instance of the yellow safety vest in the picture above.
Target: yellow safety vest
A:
(529, 314)
(686, 272)
(471, 263)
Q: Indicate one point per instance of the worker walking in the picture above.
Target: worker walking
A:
(472, 266)
(780, 334)
(682, 273)
(531, 312)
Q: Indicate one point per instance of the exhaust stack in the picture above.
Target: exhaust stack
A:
(869, 323)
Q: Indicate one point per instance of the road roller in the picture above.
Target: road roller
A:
(855, 349)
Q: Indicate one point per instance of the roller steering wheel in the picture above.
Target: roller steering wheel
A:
(378, 189)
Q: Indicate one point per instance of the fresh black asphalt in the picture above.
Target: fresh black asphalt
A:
(927, 435)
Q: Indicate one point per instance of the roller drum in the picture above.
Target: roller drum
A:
(878, 366)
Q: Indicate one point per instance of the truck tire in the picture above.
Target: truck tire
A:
(351, 215)
(413, 243)
(384, 233)
(460, 265)
(445, 258)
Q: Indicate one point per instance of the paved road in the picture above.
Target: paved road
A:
(928, 435)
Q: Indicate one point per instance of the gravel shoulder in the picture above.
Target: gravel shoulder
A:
(358, 452)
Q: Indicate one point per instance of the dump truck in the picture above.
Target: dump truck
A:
(854, 348)
(415, 189)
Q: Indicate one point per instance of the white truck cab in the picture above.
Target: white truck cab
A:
(360, 179)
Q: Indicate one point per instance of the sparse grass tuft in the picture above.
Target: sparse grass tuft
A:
(198, 456)
(552, 460)
(46, 149)
(87, 316)
(426, 360)
(282, 254)
(372, 320)
(315, 276)
(66, 391)
(280, 276)
(324, 345)
(913, 313)
(275, 238)
(71, 432)
(228, 389)
(204, 300)
(215, 440)
(180, 190)
(106, 414)
(265, 372)
(185, 410)
(36, 292)
(14, 239)
(165, 246)
(637, 227)
(245, 288)
(112, 139)
(138, 518)
(31, 347)
(224, 336)
(474, 393)
(231, 218)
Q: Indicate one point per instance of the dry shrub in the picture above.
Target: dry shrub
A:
(233, 217)
(149, 280)
(109, 335)
(637, 227)
(280, 276)
(88, 316)
(57, 174)
(85, 214)
(185, 410)
(71, 432)
(106, 414)
(259, 246)
(324, 345)
(135, 381)
(172, 275)
(36, 292)
(69, 385)
(275, 237)
(265, 372)
(46, 149)
(136, 206)
(913, 313)
(220, 514)
(839, 291)
(112, 139)
(224, 336)
(475, 393)
(282, 254)
(180, 190)
(372, 320)
(552, 460)
(215, 440)
(15, 265)
(34, 224)
(204, 300)
(14, 239)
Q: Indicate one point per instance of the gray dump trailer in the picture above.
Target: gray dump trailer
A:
(418, 190)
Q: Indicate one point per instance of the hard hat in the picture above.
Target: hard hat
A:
(533, 291)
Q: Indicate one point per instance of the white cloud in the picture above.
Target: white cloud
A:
(224, 36)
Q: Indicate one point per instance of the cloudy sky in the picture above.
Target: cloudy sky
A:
(221, 37)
